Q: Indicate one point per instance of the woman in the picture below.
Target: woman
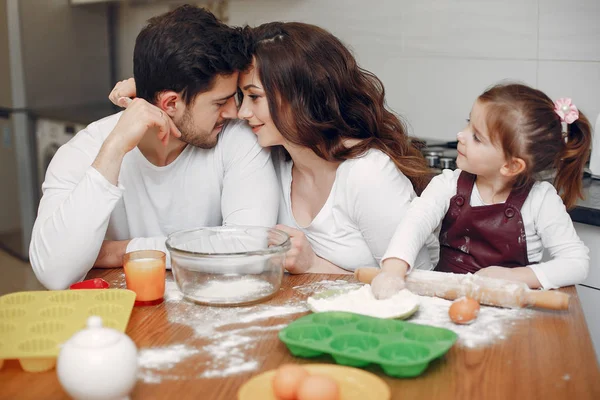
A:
(345, 164)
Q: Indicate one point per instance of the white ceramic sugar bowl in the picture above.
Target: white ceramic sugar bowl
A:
(98, 363)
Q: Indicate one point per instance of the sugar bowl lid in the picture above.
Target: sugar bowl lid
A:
(95, 336)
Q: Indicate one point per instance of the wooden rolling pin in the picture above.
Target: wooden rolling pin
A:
(489, 291)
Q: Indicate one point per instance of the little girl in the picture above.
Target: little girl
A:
(496, 218)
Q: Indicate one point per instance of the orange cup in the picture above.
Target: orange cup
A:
(145, 272)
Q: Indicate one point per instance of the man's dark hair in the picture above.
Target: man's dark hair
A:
(184, 50)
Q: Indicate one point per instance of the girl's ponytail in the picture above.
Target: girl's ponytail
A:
(571, 159)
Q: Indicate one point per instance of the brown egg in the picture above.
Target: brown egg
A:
(318, 387)
(287, 380)
(464, 310)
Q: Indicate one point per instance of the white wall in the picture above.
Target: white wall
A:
(436, 56)
(132, 17)
(130, 21)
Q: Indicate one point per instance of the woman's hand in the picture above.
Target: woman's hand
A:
(123, 92)
(301, 257)
(391, 279)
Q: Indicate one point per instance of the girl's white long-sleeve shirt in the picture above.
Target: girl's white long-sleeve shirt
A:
(233, 183)
(547, 226)
(368, 199)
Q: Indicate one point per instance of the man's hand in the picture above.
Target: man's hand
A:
(139, 118)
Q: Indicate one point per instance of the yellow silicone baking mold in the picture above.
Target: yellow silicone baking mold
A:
(33, 325)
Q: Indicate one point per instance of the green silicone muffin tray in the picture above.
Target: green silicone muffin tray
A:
(34, 324)
(402, 349)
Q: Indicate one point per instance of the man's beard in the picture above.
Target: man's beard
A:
(191, 134)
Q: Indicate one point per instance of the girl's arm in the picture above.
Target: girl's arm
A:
(322, 266)
(422, 218)
(570, 261)
(519, 274)
(382, 197)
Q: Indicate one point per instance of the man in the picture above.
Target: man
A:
(173, 160)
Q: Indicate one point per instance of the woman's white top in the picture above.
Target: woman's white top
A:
(547, 226)
(368, 200)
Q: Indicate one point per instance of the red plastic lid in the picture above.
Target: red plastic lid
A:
(96, 283)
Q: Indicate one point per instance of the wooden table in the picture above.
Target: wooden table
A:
(547, 356)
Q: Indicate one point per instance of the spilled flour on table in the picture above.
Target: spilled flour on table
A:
(120, 282)
(161, 358)
(222, 340)
(491, 325)
(322, 286)
(224, 336)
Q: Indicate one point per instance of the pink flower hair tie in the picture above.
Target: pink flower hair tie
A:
(567, 112)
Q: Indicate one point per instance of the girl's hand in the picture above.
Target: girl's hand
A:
(391, 279)
(495, 272)
(123, 92)
(301, 256)
(519, 274)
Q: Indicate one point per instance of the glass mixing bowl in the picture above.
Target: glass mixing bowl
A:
(228, 265)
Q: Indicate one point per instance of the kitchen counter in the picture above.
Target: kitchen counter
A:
(548, 355)
(587, 211)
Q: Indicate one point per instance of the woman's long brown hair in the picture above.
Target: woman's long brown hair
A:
(523, 121)
(319, 98)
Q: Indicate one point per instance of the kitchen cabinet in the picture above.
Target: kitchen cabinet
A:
(590, 298)
(590, 234)
(590, 293)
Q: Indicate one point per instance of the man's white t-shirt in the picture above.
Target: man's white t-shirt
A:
(231, 184)
(368, 200)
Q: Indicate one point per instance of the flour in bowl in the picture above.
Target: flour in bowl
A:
(232, 289)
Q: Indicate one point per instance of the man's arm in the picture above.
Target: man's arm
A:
(80, 194)
(73, 215)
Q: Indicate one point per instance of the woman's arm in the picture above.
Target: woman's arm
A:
(322, 266)
(123, 92)
(302, 259)
(569, 262)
